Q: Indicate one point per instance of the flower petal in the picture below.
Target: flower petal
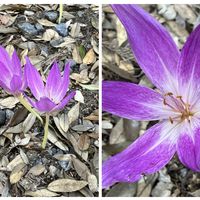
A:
(5, 74)
(153, 47)
(189, 63)
(16, 84)
(130, 101)
(34, 80)
(64, 102)
(53, 81)
(44, 105)
(16, 64)
(5, 59)
(188, 150)
(61, 92)
(148, 154)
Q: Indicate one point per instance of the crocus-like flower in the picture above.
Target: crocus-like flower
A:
(51, 97)
(175, 102)
(12, 79)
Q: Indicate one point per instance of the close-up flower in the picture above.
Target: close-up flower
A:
(174, 103)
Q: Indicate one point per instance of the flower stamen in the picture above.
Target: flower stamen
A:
(177, 104)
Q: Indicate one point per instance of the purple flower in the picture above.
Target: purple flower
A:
(175, 103)
(51, 97)
(12, 79)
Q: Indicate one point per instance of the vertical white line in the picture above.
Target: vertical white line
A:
(100, 98)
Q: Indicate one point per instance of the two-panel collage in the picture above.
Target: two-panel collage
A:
(99, 100)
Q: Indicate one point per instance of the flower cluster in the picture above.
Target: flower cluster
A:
(175, 102)
(49, 98)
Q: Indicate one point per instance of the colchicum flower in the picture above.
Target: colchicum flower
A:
(175, 102)
(12, 79)
(51, 97)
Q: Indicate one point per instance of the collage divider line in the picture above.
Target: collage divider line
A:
(100, 99)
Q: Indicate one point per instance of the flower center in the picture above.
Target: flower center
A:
(178, 106)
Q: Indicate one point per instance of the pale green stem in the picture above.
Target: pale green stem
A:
(28, 106)
(46, 130)
(60, 12)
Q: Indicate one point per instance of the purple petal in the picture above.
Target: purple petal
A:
(34, 80)
(188, 150)
(148, 154)
(16, 64)
(189, 63)
(61, 92)
(16, 84)
(6, 60)
(153, 47)
(53, 81)
(64, 102)
(5, 74)
(130, 101)
(44, 105)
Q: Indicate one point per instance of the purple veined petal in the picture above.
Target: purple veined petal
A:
(189, 62)
(5, 74)
(6, 60)
(130, 101)
(61, 92)
(34, 80)
(188, 150)
(16, 64)
(16, 84)
(44, 105)
(147, 155)
(64, 102)
(153, 47)
(53, 81)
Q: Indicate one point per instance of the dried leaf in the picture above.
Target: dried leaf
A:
(90, 87)
(50, 34)
(73, 114)
(75, 30)
(45, 22)
(17, 160)
(9, 102)
(64, 122)
(66, 185)
(37, 170)
(54, 139)
(17, 173)
(23, 156)
(28, 122)
(92, 182)
(18, 116)
(81, 169)
(41, 193)
(90, 57)
(76, 55)
(84, 142)
(79, 97)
